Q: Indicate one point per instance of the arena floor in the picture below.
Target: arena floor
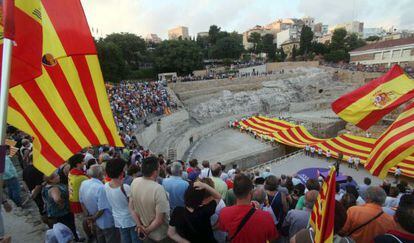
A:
(226, 145)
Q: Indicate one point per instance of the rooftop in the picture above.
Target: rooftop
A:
(385, 44)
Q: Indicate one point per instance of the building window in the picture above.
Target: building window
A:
(406, 53)
(386, 55)
(396, 54)
(377, 56)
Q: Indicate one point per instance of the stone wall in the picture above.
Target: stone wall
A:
(277, 66)
(258, 158)
(148, 134)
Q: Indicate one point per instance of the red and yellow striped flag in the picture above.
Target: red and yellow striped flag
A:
(323, 214)
(394, 145)
(66, 108)
(369, 103)
(21, 22)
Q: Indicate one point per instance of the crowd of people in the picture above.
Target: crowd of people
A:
(365, 68)
(131, 195)
(136, 102)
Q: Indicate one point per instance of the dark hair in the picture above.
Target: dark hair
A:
(340, 216)
(75, 159)
(313, 184)
(367, 181)
(402, 186)
(105, 149)
(271, 183)
(352, 189)
(337, 187)
(216, 170)
(149, 165)
(394, 191)
(349, 178)
(299, 189)
(133, 169)
(90, 163)
(234, 166)
(405, 213)
(242, 186)
(114, 168)
(193, 162)
(193, 197)
(348, 200)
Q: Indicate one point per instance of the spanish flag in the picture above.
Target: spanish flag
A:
(66, 108)
(323, 214)
(369, 103)
(394, 145)
(21, 23)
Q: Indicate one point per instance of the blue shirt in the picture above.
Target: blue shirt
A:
(92, 195)
(176, 187)
(9, 169)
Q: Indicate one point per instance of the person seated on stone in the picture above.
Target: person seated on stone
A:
(219, 184)
(404, 218)
(311, 184)
(367, 221)
(308, 235)
(259, 226)
(192, 222)
(298, 219)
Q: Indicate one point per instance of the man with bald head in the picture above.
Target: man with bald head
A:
(298, 219)
(219, 184)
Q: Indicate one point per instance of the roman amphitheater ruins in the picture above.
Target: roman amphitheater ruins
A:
(301, 94)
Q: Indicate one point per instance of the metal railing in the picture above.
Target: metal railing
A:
(263, 165)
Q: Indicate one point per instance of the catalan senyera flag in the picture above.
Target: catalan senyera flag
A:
(21, 22)
(66, 108)
(323, 214)
(369, 103)
(394, 145)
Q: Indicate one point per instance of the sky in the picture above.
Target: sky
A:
(157, 16)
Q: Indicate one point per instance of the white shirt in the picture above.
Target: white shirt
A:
(350, 160)
(328, 154)
(119, 206)
(319, 151)
(205, 172)
(356, 161)
(231, 172)
(398, 172)
(312, 149)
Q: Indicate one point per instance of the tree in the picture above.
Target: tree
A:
(372, 38)
(213, 33)
(255, 38)
(337, 56)
(294, 53)
(227, 47)
(319, 48)
(203, 43)
(181, 56)
(338, 39)
(306, 37)
(111, 60)
(133, 48)
(280, 55)
(268, 46)
(353, 42)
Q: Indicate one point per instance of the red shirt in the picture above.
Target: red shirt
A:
(259, 228)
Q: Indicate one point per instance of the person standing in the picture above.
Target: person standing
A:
(175, 186)
(92, 197)
(219, 184)
(320, 152)
(75, 177)
(243, 222)
(149, 203)
(328, 155)
(11, 181)
(307, 150)
(397, 174)
(356, 163)
(312, 150)
(117, 194)
(350, 162)
(206, 171)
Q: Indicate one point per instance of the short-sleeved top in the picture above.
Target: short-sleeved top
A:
(32, 177)
(150, 198)
(176, 187)
(394, 236)
(119, 206)
(90, 194)
(259, 228)
(194, 226)
(220, 186)
(52, 208)
(296, 220)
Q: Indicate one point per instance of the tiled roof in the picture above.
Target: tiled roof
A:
(386, 44)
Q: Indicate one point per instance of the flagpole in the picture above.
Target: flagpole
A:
(4, 97)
